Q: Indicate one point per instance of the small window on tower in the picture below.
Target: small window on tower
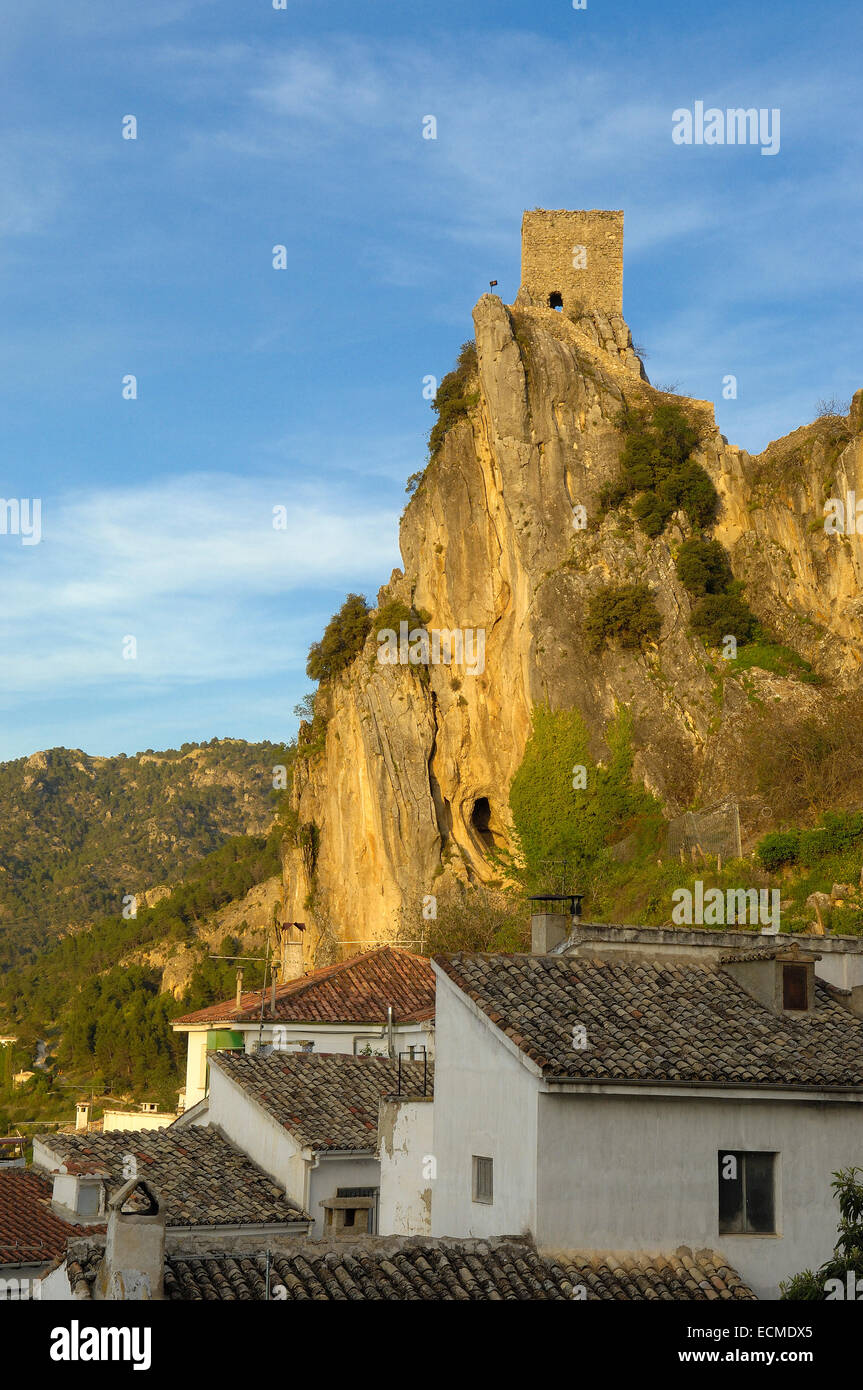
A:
(555, 300)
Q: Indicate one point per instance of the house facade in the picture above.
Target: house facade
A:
(311, 1121)
(379, 1003)
(639, 1103)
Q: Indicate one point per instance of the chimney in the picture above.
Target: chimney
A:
(291, 951)
(782, 979)
(549, 928)
(133, 1269)
(239, 985)
(82, 1116)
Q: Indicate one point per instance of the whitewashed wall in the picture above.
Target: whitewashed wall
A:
(406, 1150)
(485, 1104)
(632, 1172)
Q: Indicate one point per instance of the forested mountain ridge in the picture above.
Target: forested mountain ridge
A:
(102, 999)
(78, 834)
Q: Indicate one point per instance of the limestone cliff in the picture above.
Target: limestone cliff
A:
(411, 786)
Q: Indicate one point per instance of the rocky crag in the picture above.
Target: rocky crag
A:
(407, 790)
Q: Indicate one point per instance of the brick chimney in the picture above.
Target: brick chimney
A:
(133, 1269)
(82, 1116)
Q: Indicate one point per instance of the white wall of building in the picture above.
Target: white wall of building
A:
(266, 1142)
(329, 1174)
(584, 1170)
(407, 1164)
(485, 1104)
(196, 1065)
(640, 1172)
(326, 1037)
(134, 1119)
(306, 1178)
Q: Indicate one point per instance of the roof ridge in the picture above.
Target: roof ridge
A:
(227, 1011)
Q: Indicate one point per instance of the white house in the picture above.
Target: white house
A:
(635, 1102)
(380, 1003)
(311, 1121)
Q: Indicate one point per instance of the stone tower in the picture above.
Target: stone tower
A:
(572, 261)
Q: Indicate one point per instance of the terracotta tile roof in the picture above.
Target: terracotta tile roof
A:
(30, 1232)
(353, 991)
(417, 1268)
(657, 1020)
(326, 1100)
(202, 1178)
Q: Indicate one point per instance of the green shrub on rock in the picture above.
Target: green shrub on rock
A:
(703, 567)
(344, 637)
(625, 613)
(723, 615)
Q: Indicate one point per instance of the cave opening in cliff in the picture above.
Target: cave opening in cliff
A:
(480, 819)
(555, 300)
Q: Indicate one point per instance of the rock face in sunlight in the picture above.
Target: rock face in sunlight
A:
(505, 535)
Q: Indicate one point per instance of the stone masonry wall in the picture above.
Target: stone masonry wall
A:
(579, 255)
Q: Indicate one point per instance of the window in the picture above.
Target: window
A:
(483, 1179)
(747, 1186)
(795, 993)
(555, 300)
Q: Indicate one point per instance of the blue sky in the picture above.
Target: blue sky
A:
(303, 388)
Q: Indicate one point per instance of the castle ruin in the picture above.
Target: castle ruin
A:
(572, 261)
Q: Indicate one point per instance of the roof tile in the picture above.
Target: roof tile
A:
(326, 1100)
(203, 1179)
(358, 990)
(650, 1021)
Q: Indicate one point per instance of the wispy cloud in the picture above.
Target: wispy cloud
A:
(194, 569)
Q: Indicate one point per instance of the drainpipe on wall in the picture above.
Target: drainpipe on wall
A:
(391, 1047)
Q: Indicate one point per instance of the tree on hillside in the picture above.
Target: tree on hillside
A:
(344, 636)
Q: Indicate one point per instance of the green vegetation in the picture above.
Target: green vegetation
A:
(770, 656)
(213, 979)
(556, 821)
(80, 832)
(703, 567)
(116, 1032)
(454, 399)
(717, 616)
(847, 1255)
(704, 570)
(657, 469)
(625, 613)
(396, 612)
(838, 832)
(343, 639)
(481, 918)
(110, 1018)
